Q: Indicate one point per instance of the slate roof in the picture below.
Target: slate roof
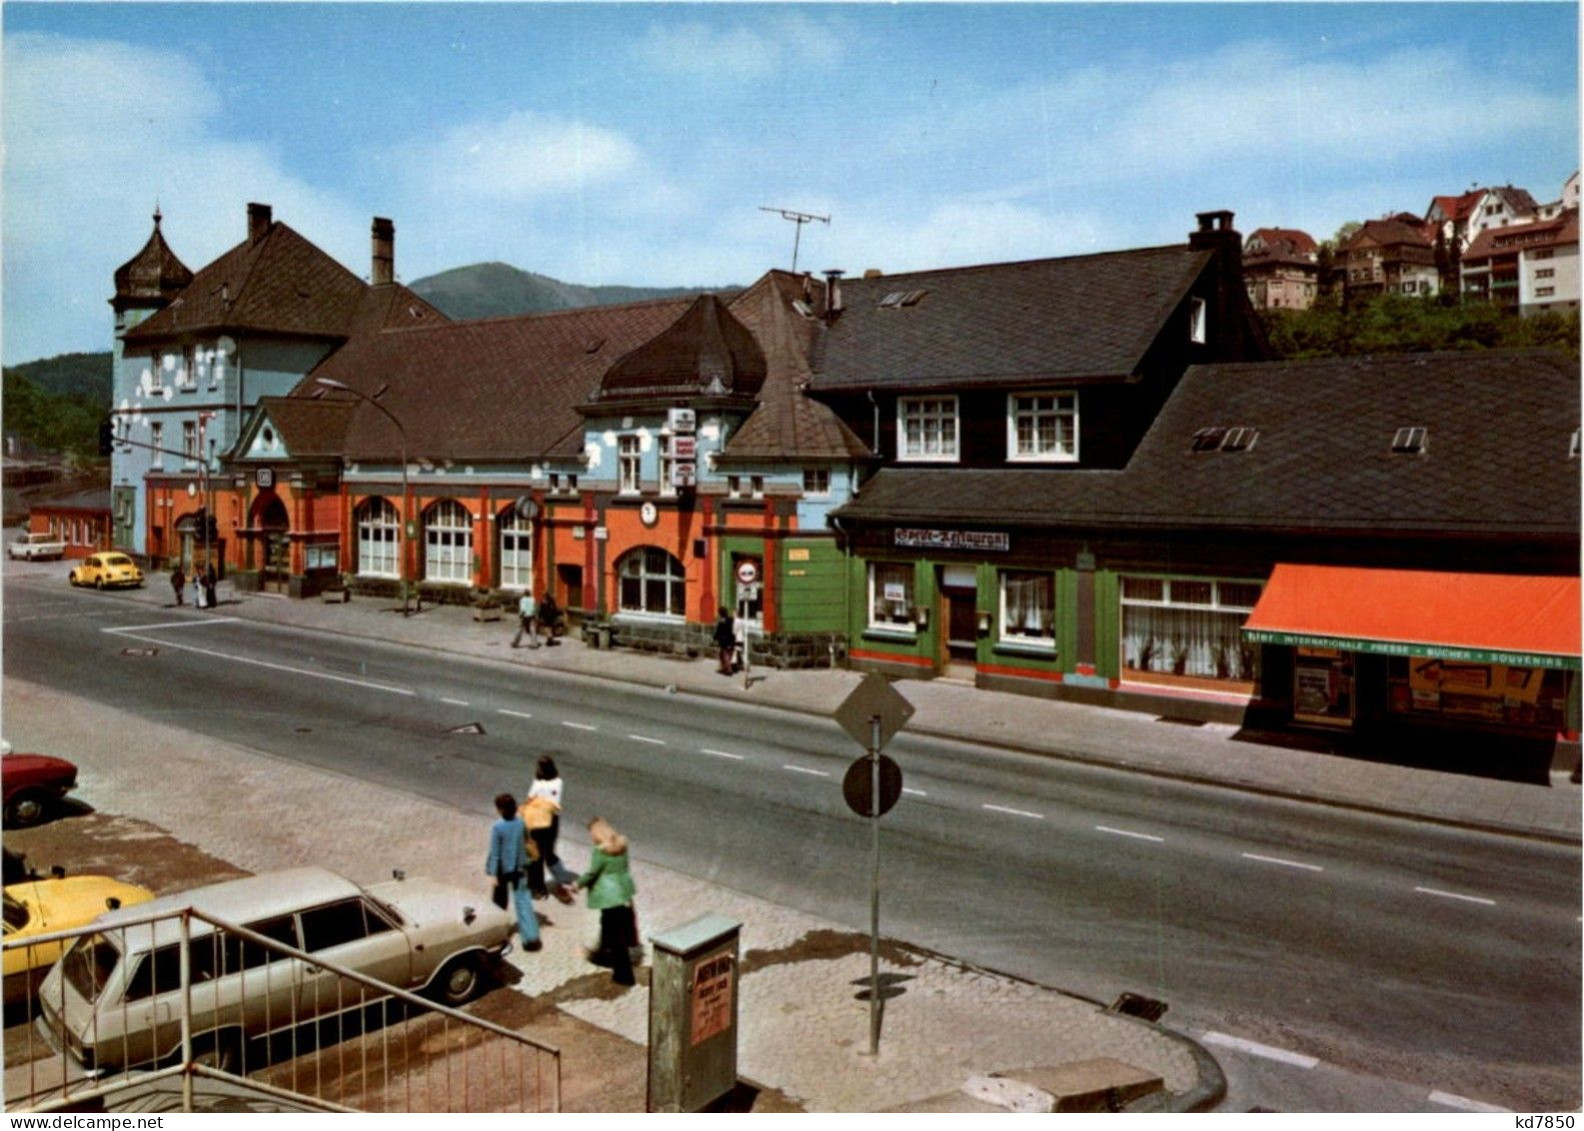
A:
(154, 274)
(1075, 318)
(495, 388)
(787, 424)
(278, 284)
(1496, 462)
(706, 352)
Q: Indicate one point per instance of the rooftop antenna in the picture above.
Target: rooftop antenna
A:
(798, 218)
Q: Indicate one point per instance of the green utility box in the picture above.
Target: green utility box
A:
(693, 1014)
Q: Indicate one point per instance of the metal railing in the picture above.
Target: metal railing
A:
(225, 1014)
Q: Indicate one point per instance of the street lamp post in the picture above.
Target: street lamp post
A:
(401, 546)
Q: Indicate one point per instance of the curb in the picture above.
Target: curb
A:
(1496, 828)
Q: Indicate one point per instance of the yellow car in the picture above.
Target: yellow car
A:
(107, 571)
(40, 906)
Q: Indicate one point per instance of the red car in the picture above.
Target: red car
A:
(33, 785)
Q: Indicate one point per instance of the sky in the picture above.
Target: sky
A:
(637, 144)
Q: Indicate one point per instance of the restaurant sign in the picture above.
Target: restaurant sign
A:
(985, 540)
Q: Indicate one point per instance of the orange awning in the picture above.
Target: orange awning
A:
(1479, 617)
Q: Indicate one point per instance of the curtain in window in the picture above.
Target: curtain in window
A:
(890, 594)
(1029, 602)
(1197, 642)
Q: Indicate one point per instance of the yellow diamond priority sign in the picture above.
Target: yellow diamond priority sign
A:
(873, 698)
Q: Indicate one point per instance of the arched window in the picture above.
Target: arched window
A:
(448, 543)
(516, 550)
(378, 535)
(652, 581)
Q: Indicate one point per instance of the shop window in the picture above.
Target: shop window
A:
(1028, 608)
(1042, 427)
(516, 550)
(891, 596)
(652, 581)
(378, 534)
(1189, 627)
(928, 428)
(448, 543)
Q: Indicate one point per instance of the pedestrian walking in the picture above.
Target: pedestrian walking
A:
(549, 617)
(507, 865)
(527, 620)
(210, 583)
(726, 640)
(542, 814)
(610, 888)
(178, 583)
(740, 641)
(197, 588)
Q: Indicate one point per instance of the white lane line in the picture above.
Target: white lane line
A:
(454, 702)
(163, 643)
(1462, 1103)
(1013, 812)
(1454, 895)
(650, 741)
(1283, 863)
(806, 770)
(1253, 1048)
(914, 792)
(721, 754)
(1124, 832)
(172, 624)
(578, 726)
(513, 714)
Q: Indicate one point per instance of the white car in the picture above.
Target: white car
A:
(114, 1000)
(36, 547)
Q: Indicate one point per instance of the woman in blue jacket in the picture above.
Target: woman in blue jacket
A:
(508, 865)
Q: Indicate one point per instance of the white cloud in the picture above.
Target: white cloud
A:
(520, 158)
(739, 53)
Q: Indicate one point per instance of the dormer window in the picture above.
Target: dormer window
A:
(1042, 427)
(927, 429)
(1410, 441)
(1219, 439)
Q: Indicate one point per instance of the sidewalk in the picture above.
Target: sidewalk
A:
(1214, 754)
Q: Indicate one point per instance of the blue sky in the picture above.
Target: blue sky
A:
(605, 143)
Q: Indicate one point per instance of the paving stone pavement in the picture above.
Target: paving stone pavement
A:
(802, 1031)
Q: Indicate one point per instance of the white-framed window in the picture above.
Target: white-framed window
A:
(1042, 427)
(651, 581)
(1198, 320)
(189, 442)
(629, 460)
(157, 442)
(1189, 626)
(378, 535)
(816, 482)
(927, 428)
(891, 596)
(187, 375)
(1028, 608)
(516, 550)
(667, 473)
(448, 543)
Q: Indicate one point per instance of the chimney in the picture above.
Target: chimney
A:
(383, 268)
(259, 220)
(1226, 332)
(833, 299)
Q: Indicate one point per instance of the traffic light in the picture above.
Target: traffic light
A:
(107, 432)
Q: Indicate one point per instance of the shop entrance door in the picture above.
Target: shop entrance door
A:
(1324, 687)
(275, 570)
(959, 623)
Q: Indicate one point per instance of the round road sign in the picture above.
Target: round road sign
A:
(858, 786)
(747, 571)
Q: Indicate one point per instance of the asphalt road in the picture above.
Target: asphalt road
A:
(1401, 959)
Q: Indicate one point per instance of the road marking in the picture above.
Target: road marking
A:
(650, 741)
(1461, 1103)
(1014, 812)
(804, 770)
(172, 624)
(513, 714)
(578, 726)
(1283, 863)
(1124, 832)
(1253, 1048)
(721, 754)
(163, 643)
(1455, 895)
(914, 792)
(454, 702)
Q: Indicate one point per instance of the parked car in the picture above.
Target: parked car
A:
(107, 571)
(36, 547)
(39, 906)
(114, 999)
(33, 785)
